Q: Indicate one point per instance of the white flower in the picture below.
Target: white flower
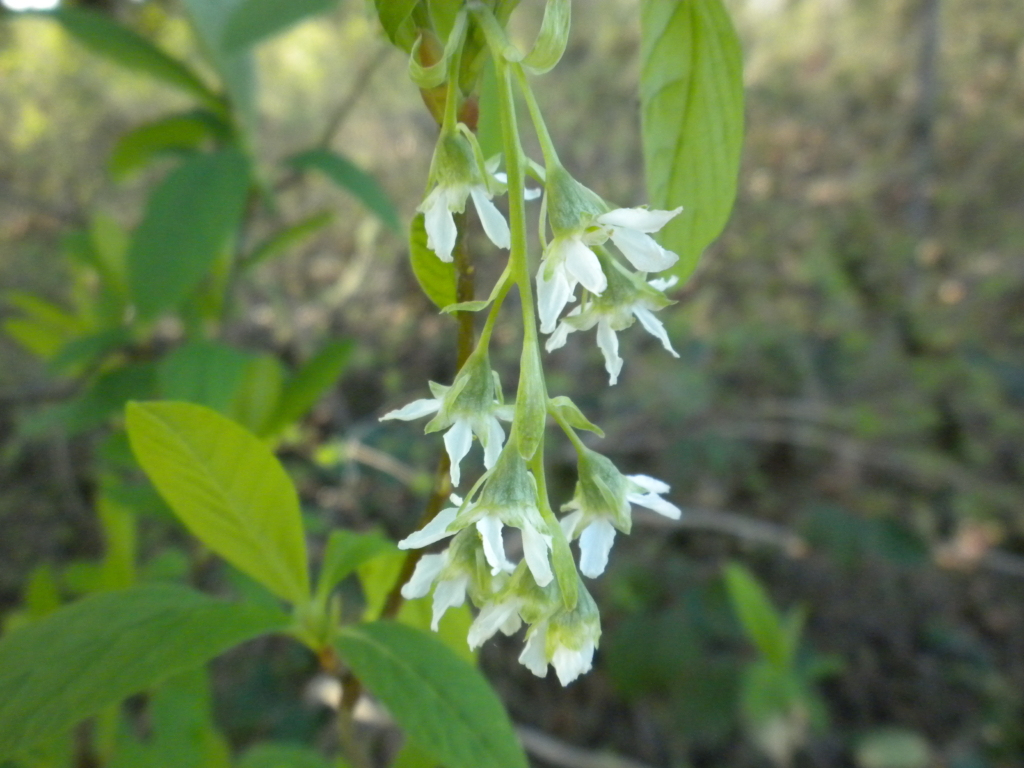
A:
(494, 616)
(570, 261)
(566, 640)
(611, 315)
(468, 407)
(508, 497)
(445, 200)
(602, 505)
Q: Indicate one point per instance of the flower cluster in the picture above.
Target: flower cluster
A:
(609, 253)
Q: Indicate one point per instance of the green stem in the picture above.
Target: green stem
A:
(569, 431)
(547, 146)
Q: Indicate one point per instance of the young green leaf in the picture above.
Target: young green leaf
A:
(203, 372)
(445, 705)
(228, 489)
(691, 93)
(172, 135)
(259, 394)
(345, 552)
(345, 174)
(255, 20)
(436, 277)
(319, 374)
(190, 219)
(95, 652)
(102, 36)
(394, 17)
(289, 236)
(760, 620)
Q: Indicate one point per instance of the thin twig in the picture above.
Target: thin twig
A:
(557, 752)
(381, 461)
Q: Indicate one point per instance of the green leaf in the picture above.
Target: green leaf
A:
(283, 755)
(106, 397)
(255, 20)
(691, 94)
(172, 135)
(553, 37)
(228, 489)
(394, 17)
(101, 649)
(259, 394)
(319, 374)
(345, 552)
(345, 174)
(436, 277)
(283, 239)
(203, 372)
(88, 350)
(101, 35)
(190, 219)
(445, 705)
(759, 618)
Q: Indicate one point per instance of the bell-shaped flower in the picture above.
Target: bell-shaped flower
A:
(629, 298)
(602, 504)
(457, 175)
(565, 639)
(461, 568)
(519, 600)
(580, 220)
(471, 406)
(508, 497)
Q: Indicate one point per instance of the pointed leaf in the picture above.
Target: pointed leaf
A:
(228, 489)
(436, 277)
(203, 372)
(760, 620)
(175, 134)
(319, 374)
(344, 553)
(97, 651)
(445, 705)
(190, 219)
(352, 178)
(691, 93)
(283, 239)
(105, 37)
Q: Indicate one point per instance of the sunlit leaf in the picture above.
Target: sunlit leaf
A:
(190, 219)
(691, 92)
(228, 489)
(436, 277)
(443, 703)
(99, 650)
(350, 177)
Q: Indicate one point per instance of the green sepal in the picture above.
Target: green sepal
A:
(531, 404)
(466, 306)
(563, 564)
(564, 409)
(553, 37)
(435, 74)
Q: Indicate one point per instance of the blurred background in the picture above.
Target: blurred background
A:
(846, 419)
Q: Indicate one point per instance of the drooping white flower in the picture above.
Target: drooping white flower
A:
(508, 497)
(471, 406)
(457, 177)
(602, 504)
(566, 640)
(615, 310)
(581, 221)
(452, 574)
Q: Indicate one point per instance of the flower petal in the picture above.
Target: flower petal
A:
(417, 409)
(583, 264)
(439, 224)
(491, 618)
(492, 437)
(553, 293)
(534, 656)
(450, 593)
(640, 219)
(642, 251)
(494, 545)
(655, 327)
(570, 523)
(535, 551)
(609, 344)
(422, 578)
(595, 544)
(655, 503)
(650, 484)
(495, 226)
(457, 441)
(570, 664)
(663, 283)
(435, 530)
(557, 339)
